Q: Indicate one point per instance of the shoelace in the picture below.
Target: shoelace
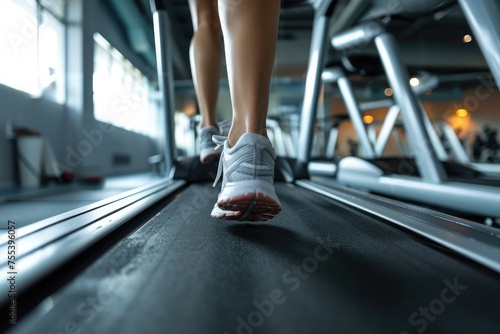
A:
(219, 141)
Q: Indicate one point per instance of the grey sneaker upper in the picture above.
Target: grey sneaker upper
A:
(205, 137)
(251, 158)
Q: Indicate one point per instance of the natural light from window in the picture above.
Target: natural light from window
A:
(32, 50)
(122, 94)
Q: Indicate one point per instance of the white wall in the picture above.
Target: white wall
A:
(39, 114)
(65, 126)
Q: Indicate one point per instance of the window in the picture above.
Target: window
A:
(32, 44)
(122, 94)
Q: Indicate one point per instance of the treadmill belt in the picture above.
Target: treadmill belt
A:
(318, 267)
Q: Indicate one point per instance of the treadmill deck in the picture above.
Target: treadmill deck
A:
(318, 267)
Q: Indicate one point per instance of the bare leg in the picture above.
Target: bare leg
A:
(250, 30)
(205, 56)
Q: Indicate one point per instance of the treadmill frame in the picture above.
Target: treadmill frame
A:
(433, 187)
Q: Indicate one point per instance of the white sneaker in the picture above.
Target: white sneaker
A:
(247, 187)
(208, 149)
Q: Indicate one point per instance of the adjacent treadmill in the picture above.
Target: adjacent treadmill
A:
(425, 178)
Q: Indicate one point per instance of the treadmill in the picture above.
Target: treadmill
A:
(334, 260)
(426, 178)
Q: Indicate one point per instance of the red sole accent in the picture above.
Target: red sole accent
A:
(250, 207)
(209, 158)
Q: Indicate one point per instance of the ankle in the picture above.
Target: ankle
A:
(208, 123)
(235, 135)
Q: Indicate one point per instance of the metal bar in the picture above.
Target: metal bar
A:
(372, 133)
(385, 131)
(61, 248)
(430, 168)
(313, 85)
(456, 147)
(323, 7)
(483, 17)
(436, 142)
(332, 143)
(279, 140)
(352, 11)
(370, 105)
(400, 142)
(166, 82)
(45, 223)
(427, 83)
(322, 168)
(332, 74)
(487, 168)
(361, 35)
(463, 197)
(156, 5)
(355, 115)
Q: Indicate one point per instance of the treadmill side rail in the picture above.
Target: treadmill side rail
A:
(463, 197)
(474, 241)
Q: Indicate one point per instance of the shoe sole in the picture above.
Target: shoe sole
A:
(208, 155)
(253, 200)
(206, 159)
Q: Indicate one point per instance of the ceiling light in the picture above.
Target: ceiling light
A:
(462, 113)
(368, 119)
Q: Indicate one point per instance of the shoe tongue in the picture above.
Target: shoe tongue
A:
(219, 140)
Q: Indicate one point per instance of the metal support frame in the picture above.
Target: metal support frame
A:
(400, 141)
(360, 35)
(386, 130)
(355, 114)
(459, 153)
(371, 146)
(332, 143)
(414, 117)
(370, 105)
(437, 145)
(166, 83)
(313, 81)
(483, 17)
(372, 133)
(274, 129)
(429, 167)
(463, 197)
